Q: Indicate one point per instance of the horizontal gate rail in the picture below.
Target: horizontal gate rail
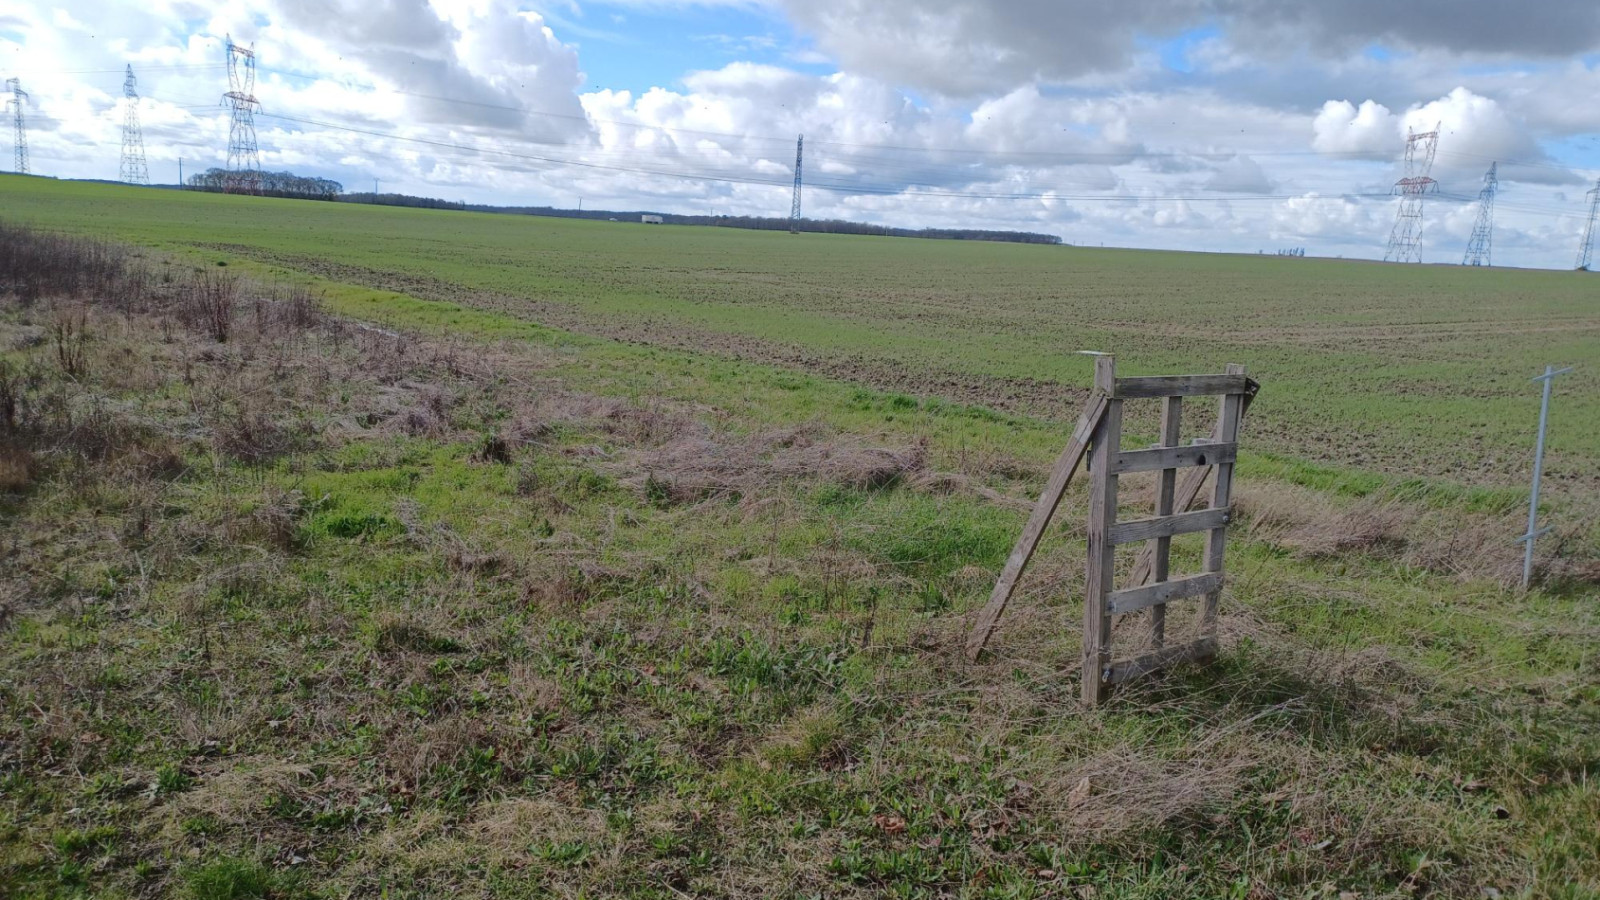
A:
(1157, 458)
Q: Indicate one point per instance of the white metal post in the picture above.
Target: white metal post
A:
(1534, 531)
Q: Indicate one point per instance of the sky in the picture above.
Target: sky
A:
(1219, 125)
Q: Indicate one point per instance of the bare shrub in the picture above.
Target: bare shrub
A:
(69, 335)
(35, 265)
(287, 307)
(133, 289)
(208, 302)
(298, 307)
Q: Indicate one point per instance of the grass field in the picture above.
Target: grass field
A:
(1410, 370)
(466, 597)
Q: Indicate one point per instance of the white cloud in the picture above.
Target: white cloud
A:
(1342, 127)
(1240, 175)
(1473, 131)
(1474, 125)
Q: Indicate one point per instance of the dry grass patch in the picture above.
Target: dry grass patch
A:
(1453, 542)
(704, 465)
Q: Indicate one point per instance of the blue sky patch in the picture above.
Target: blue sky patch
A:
(631, 48)
(1177, 53)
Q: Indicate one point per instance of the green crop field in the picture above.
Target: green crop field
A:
(1411, 370)
(362, 552)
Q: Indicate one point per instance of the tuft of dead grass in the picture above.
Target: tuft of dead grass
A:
(258, 436)
(702, 466)
(1466, 545)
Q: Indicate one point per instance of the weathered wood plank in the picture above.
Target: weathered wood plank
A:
(1160, 592)
(1169, 526)
(1128, 670)
(1230, 411)
(1145, 387)
(1207, 454)
(1060, 477)
(1101, 572)
(1160, 549)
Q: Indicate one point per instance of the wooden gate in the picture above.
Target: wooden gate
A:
(1150, 585)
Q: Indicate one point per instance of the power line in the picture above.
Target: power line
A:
(907, 189)
(857, 188)
(1063, 158)
(900, 189)
(176, 67)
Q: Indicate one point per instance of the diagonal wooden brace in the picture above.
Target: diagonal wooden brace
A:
(1060, 476)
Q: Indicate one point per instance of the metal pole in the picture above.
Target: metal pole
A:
(1534, 531)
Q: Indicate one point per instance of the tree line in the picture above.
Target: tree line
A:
(402, 200)
(759, 223)
(772, 223)
(273, 184)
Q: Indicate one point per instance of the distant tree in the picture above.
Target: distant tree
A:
(285, 184)
(764, 223)
(402, 200)
(273, 184)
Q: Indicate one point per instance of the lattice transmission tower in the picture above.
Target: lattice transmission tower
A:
(1586, 249)
(244, 159)
(19, 140)
(799, 160)
(1405, 241)
(134, 170)
(1480, 247)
